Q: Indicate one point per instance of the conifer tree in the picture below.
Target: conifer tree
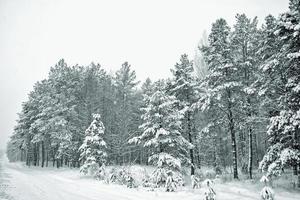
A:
(93, 149)
(245, 45)
(222, 84)
(282, 74)
(183, 87)
(127, 107)
(161, 132)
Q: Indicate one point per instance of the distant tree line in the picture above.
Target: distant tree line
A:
(237, 106)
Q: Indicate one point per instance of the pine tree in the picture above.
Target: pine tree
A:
(183, 87)
(63, 111)
(245, 45)
(161, 132)
(39, 127)
(127, 110)
(222, 84)
(93, 149)
(282, 70)
(265, 86)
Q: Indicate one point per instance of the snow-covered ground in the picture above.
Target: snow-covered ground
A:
(18, 182)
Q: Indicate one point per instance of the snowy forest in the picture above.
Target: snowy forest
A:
(234, 108)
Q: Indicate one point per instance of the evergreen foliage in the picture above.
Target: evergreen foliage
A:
(93, 148)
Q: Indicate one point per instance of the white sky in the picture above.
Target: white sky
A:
(150, 35)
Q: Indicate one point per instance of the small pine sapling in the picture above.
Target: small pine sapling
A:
(93, 149)
(209, 193)
(179, 180)
(195, 182)
(146, 180)
(170, 182)
(130, 182)
(159, 177)
(126, 178)
(266, 193)
(101, 174)
(112, 177)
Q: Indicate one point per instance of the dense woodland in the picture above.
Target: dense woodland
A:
(234, 108)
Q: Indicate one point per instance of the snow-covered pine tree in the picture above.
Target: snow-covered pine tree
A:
(266, 193)
(209, 193)
(282, 74)
(93, 149)
(127, 104)
(19, 141)
(222, 85)
(147, 89)
(183, 87)
(62, 109)
(245, 45)
(161, 132)
(40, 126)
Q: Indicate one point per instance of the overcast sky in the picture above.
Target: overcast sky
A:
(150, 35)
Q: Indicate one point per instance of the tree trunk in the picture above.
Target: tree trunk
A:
(198, 156)
(61, 161)
(197, 151)
(191, 141)
(250, 163)
(38, 154)
(35, 155)
(295, 169)
(47, 158)
(43, 154)
(28, 156)
(22, 155)
(57, 163)
(234, 152)
(255, 149)
(53, 158)
(233, 139)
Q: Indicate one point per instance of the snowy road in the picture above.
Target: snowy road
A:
(52, 184)
(22, 183)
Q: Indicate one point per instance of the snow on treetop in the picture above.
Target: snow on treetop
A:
(97, 116)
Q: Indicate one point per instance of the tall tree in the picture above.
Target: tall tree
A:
(222, 84)
(161, 131)
(282, 68)
(245, 45)
(183, 87)
(126, 109)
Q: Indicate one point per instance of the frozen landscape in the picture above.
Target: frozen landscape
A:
(19, 182)
(134, 100)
